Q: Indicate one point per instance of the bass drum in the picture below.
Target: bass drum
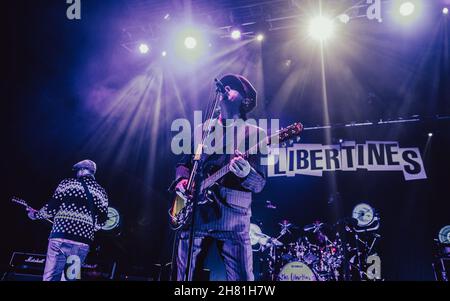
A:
(296, 271)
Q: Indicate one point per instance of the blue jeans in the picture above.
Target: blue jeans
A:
(57, 254)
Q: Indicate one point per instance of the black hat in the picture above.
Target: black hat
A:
(244, 87)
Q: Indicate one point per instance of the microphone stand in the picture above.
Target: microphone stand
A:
(196, 169)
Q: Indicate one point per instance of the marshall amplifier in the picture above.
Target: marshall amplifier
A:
(30, 266)
(27, 263)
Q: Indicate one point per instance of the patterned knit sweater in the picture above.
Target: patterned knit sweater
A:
(71, 212)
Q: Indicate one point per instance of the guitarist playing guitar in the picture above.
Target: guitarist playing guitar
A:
(226, 219)
(79, 208)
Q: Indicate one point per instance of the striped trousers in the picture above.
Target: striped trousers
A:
(234, 248)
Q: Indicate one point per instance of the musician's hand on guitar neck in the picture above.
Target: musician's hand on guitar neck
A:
(239, 166)
(31, 213)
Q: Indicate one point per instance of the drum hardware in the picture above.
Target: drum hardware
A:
(441, 262)
(314, 227)
(444, 235)
(285, 226)
(264, 241)
(322, 252)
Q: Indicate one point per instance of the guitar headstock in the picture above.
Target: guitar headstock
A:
(290, 133)
(19, 201)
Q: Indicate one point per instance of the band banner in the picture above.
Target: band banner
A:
(314, 159)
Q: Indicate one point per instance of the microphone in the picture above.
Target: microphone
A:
(220, 87)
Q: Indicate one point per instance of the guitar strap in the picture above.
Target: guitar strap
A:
(90, 201)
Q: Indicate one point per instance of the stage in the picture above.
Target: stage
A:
(359, 94)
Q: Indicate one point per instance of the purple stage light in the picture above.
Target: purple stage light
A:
(344, 18)
(407, 8)
(321, 28)
(144, 48)
(190, 42)
(236, 34)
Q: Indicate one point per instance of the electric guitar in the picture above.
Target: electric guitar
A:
(181, 210)
(111, 222)
(24, 203)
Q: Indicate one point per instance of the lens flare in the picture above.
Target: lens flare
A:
(190, 42)
(407, 8)
(321, 28)
(144, 48)
(236, 34)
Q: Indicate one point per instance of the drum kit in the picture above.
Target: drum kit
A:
(319, 252)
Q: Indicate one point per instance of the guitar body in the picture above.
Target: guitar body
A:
(180, 212)
(178, 205)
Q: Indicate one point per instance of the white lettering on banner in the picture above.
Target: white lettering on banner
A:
(314, 159)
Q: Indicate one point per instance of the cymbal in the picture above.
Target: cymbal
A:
(314, 227)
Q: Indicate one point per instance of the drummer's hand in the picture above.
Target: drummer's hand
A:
(31, 213)
(239, 166)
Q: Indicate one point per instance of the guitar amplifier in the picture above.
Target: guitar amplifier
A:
(27, 263)
(32, 264)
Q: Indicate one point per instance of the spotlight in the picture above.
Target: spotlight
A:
(321, 28)
(236, 34)
(430, 134)
(344, 18)
(341, 140)
(445, 10)
(407, 8)
(260, 37)
(190, 42)
(144, 48)
(164, 53)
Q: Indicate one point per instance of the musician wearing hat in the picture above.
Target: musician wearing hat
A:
(79, 208)
(225, 220)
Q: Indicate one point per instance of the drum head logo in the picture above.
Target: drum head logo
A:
(296, 271)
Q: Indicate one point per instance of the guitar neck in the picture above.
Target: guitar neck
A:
(209, 181)
(215, 177)
(25, 204)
